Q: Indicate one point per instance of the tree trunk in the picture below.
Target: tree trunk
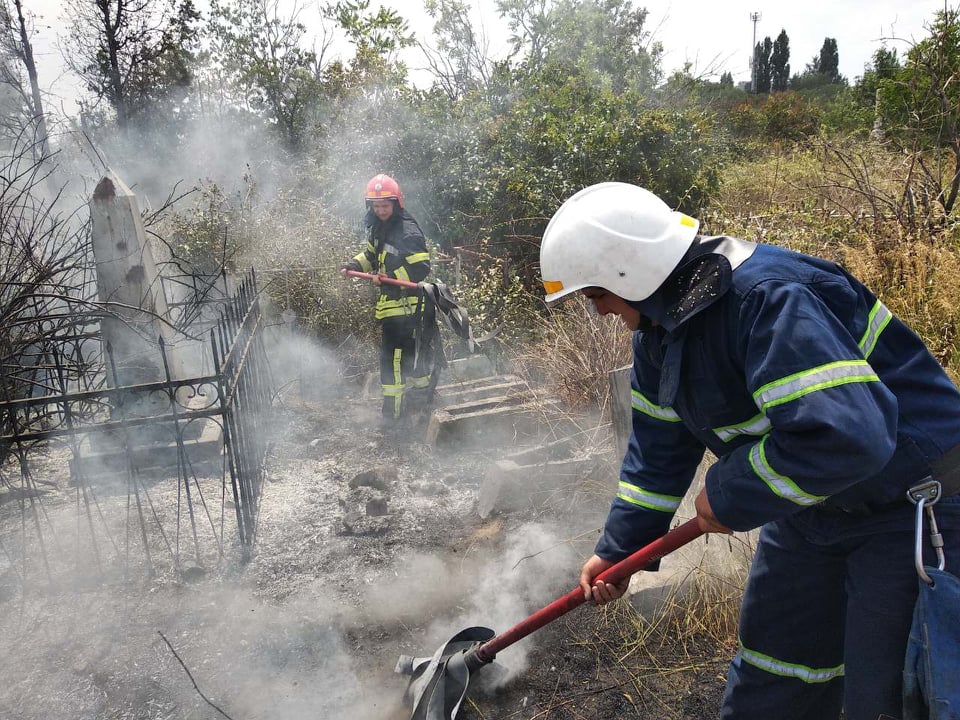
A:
(37, 100)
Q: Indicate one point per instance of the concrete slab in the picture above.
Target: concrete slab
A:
(106, 462)
(509, 486)
(494, 420)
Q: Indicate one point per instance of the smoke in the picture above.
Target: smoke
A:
(300, 366)
(101, 655)
(485, 586)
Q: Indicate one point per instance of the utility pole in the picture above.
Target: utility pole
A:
(754, 16)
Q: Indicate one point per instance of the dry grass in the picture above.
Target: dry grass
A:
(576, 350)
(843, 204)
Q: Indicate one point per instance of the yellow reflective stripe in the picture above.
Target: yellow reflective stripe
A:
(781, 485)
(782, 668)
(397, 312)
(644, 498)
(402, 274)
(876, 322)
(757, 425)
(364, 262)
(803, 383)
(394, 308)
(641, 404)
(406, 300)
(419, 382)
(417, 257)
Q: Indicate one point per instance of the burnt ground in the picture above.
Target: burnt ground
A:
(365, 551)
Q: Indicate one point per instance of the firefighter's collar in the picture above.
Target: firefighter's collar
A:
(702, 277)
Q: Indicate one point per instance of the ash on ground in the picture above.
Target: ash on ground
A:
(366, 550)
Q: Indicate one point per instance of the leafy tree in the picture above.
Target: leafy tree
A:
(461, 61)
(854, 109)
(261, 65)
(827, 63)
(530, 22)
(780, 63)
(726, 80)
(920, 106)
(130, 52)
(161, 89)
(761, 62)
(377, 38)
(564, 135)
(603, 40)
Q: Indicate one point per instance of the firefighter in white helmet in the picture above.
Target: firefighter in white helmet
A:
(823, 410)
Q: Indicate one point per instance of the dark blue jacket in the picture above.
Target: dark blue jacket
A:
(805, 387)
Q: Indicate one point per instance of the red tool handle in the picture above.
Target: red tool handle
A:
(660, 547)
(383, 278)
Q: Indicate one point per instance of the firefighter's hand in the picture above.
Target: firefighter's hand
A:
(376, 280)
(600, 592)
(350, 265)
(706, 520)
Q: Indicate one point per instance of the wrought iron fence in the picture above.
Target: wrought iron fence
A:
(88, 476)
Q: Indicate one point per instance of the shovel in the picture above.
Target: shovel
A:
(438, 683)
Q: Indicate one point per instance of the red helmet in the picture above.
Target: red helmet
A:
(383, 187)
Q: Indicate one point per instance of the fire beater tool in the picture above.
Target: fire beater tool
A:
(438, 683)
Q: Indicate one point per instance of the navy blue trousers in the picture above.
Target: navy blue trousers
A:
(826, 615)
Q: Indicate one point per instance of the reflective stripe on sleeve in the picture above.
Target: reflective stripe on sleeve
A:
(803, 383)
(643, 405)
(757, 425)
(781, 485)
(644, 498)
(879, 317)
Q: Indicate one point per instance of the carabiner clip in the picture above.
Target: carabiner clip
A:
(925, 496)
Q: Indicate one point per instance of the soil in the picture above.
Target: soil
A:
(366, 550)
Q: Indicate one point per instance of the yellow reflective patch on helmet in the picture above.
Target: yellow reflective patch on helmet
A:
(552, 286)
(687, 220)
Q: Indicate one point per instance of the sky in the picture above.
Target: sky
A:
(714, 37)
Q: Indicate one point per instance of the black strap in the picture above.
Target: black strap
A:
(947, 472)
(453, 314)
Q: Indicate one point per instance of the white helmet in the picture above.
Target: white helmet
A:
(616, 236)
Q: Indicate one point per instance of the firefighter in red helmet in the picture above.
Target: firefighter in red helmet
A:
(396, 248)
